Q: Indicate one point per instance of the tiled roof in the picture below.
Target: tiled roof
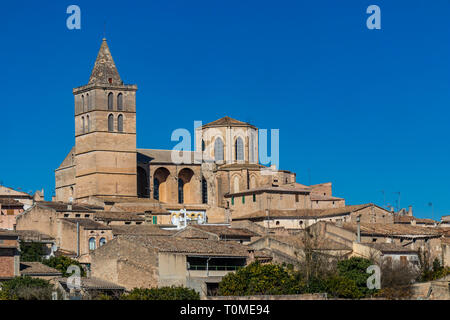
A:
(321, 197)
(95, 284)
(303, 213)
(225, 231)
(87, 224)
(187, 246)
(165, 156)
(8, 233)
(393, 230)
(269, 189)
(227, 121)
(142, 229)
(409, 219)
(389, 248)
(298, 241)
(64, 207)
(37, 269)
(33, 236)
(117, 216)
(9, 202)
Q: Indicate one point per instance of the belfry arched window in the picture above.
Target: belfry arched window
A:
(218, 149)
(120, 102)
(110, 123)
(180, 190)
(92, 244)
(155, 189)
(82, 103)
(88, 124)
(83, 125)
(239, 149)
(88, 102)
(110, 101)
(120, 123)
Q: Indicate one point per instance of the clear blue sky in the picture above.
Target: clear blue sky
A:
(365, 109)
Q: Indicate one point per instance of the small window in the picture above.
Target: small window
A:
(297, 198)
(254, 197)
(243, 199)
(66, 215)
(374, 240)
(86, 215)
(120, 102)
(77, 215)
(102, 241)
(110, 101)
(88, 124)
(120, 123)
(83, 125)
(110, 123)
(155, 220)
(232, 201)
(110, 80)
(128, 222)
(92, 244)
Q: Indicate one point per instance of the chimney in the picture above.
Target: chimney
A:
(410, 212)
(358, 229)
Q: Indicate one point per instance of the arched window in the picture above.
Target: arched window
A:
(204, 191)
(92, 244)
(88, 124)
(102, 241)
(180, 190)
(110, 101)
(88, 102)
(120, 123)
(83, 126)
(110, 123)
(82, 103)
(155, 188)
(120, 102)
(218, 149)
(239, 149)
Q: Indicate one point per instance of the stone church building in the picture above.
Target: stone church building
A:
(105, 167)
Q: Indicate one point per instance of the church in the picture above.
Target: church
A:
(104, 167)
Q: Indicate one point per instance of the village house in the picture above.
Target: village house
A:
(9, 255)
(39, 271)
(143, 261)
(390, 252)
(90, 288)
(9, 210)
(303, 218)
(216, 232)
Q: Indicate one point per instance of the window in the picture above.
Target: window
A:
(218, 149)
(203, 145)
(155, 188)
(180, 190)
(251, 148)
(204, 191)
(239, 149)
(92, 244)
(88, 102)
(88, 124)
(110, 101)
(82, 103)
(254, 197)
(120, 102)
(155, 220)
(83, 128)
(120, 123)
(86, 215)
(232, 201)
(297, 198)
(102, 241)
(243, 199)
(66, 215)
(110, 123)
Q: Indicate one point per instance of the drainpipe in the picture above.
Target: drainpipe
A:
(207, 266)
(78, 239)
(358, 229)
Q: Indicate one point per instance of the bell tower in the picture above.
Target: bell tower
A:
(105, 133)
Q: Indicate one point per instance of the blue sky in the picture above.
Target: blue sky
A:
(365, 109)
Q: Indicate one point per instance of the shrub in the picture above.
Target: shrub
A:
(26, 288)
(164, 293)
(62, 263)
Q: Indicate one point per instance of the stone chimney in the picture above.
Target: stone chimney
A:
(410, 211)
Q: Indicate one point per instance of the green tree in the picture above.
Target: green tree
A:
(343, 287)
(31, 251)
(355, 269)
(61, 263)
(164, 293)
(26, 288)
(257, 279)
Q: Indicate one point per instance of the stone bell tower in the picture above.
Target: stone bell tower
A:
(105, 133)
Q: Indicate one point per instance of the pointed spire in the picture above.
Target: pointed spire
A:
(105, 71)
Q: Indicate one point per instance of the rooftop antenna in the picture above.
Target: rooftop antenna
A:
(398, 200)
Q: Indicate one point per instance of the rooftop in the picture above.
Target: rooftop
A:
(87, 224)
(393, 230)
(37, 269)
(94, 284)
(108, 216)
(227, 122)
(143, 229)
(64, 207)
(389, 248)
(270, 189)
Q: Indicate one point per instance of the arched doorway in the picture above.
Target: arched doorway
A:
(160, 185)
(185, 186)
